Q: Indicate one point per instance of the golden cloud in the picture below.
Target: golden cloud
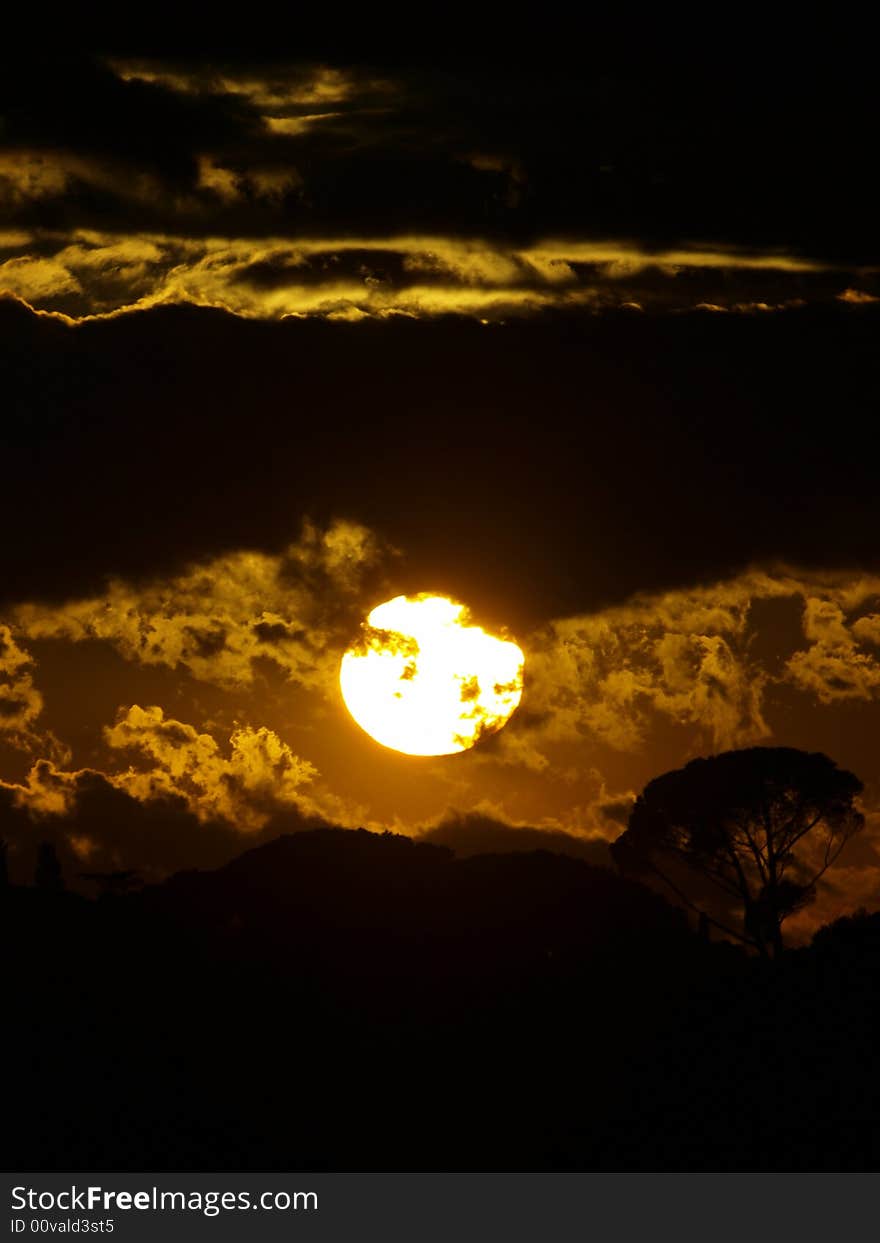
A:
(837, 664)
(20, 702)
(278, 99)
(90, 273)
(253, 778)
(265, 184)
(308, 85)
(36, 280)
(292, 126)
(258, 776)
(47, 790)
(217, 619)
(688, 658)
(857, 297)
(29, 175)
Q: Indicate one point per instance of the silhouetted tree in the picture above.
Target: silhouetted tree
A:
(762, 825)
(48, 873)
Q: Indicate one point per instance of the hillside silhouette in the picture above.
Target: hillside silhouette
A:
(349, 1000)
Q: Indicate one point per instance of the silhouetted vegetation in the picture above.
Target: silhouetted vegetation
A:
(48, 874)
(113, 884)
(761, 825)
(341, 1000)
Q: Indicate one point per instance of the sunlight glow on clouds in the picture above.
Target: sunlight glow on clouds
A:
(20, 702)
(309, 85)
(218, 618)
(611, 698)
(259, 775)
(91, 273)
(689, 656)
(689, 661)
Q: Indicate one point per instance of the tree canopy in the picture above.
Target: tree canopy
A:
(761, 825)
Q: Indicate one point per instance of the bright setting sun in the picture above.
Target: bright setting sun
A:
(423, 680)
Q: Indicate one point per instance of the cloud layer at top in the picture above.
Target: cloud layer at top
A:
(277, 189)
(624, 147)
(89, 273)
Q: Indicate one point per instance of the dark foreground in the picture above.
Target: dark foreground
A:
(348, 1001)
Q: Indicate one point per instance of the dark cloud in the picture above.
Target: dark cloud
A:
(475, 834)
(616, 811)
(278, 632)
(532, 468)
(106, 829)
(355, 264)
(756, 150)
(307, 187)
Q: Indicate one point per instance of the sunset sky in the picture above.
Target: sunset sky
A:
(589, 348)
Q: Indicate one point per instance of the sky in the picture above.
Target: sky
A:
(588, 344)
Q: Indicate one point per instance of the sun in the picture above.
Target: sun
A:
(423, 680)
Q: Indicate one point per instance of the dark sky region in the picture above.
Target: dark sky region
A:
(588, 342)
